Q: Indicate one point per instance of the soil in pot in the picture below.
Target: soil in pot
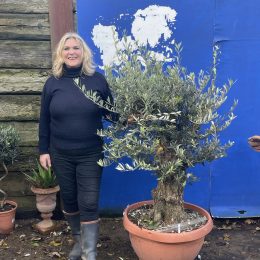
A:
(7, 207)
(142, 217)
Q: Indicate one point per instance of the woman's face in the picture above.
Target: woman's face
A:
(72, 53)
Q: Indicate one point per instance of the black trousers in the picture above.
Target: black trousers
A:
(79, 177)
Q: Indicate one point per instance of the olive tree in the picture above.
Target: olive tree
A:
(169, 121)
(9, 141)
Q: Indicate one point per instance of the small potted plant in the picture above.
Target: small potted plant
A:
(44, 185)
(9, 141)
(169, 122)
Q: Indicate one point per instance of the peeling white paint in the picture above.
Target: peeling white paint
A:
(151, 25)
(103, 37)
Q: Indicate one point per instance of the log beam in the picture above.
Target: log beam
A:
(61, 19)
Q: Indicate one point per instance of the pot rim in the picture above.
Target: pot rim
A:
(168, 237)
(13, 203)
(45, 191)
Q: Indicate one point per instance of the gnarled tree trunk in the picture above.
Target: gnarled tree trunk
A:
(168, 202)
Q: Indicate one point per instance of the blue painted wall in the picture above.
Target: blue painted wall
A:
(228, 185)
(235, 180)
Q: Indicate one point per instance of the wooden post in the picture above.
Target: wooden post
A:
(61, 19)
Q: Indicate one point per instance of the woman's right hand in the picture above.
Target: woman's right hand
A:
(45, 161)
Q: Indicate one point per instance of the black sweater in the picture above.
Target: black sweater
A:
(68, 119)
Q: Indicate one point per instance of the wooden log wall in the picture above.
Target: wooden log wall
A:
(25, 55)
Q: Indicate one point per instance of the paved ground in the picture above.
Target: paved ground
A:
(230, 239)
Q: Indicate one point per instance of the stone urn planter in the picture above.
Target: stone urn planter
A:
(155, 245)
(43, 184)
(45, 203)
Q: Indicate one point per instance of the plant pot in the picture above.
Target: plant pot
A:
(7, 218)
(45, 203)
(155, 245)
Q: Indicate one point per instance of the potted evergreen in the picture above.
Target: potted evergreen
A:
(169, 122)
(44, 186)
(9, 141)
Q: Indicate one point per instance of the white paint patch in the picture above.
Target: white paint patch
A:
(151, 24)
(104, 38)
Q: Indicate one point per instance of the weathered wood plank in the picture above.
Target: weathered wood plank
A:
(58, 26)
(15, 184)
(24, 6)
(28, 132)
(25, 54)
(19, 108)
(26, 207)
(25, 160)
(19, 190)
(18, 81)
(24, 26)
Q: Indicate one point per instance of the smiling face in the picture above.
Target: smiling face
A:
(72, 53)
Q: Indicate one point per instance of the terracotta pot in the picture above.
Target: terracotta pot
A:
(155, 245)
(7, 219)
(45, 203)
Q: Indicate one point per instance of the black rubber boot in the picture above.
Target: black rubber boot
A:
(74, 223)
(89, 237)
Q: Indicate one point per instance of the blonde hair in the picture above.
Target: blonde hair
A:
(88, 66)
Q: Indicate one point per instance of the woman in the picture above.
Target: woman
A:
(68, 139)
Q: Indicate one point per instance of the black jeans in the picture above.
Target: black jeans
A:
(79, 177)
